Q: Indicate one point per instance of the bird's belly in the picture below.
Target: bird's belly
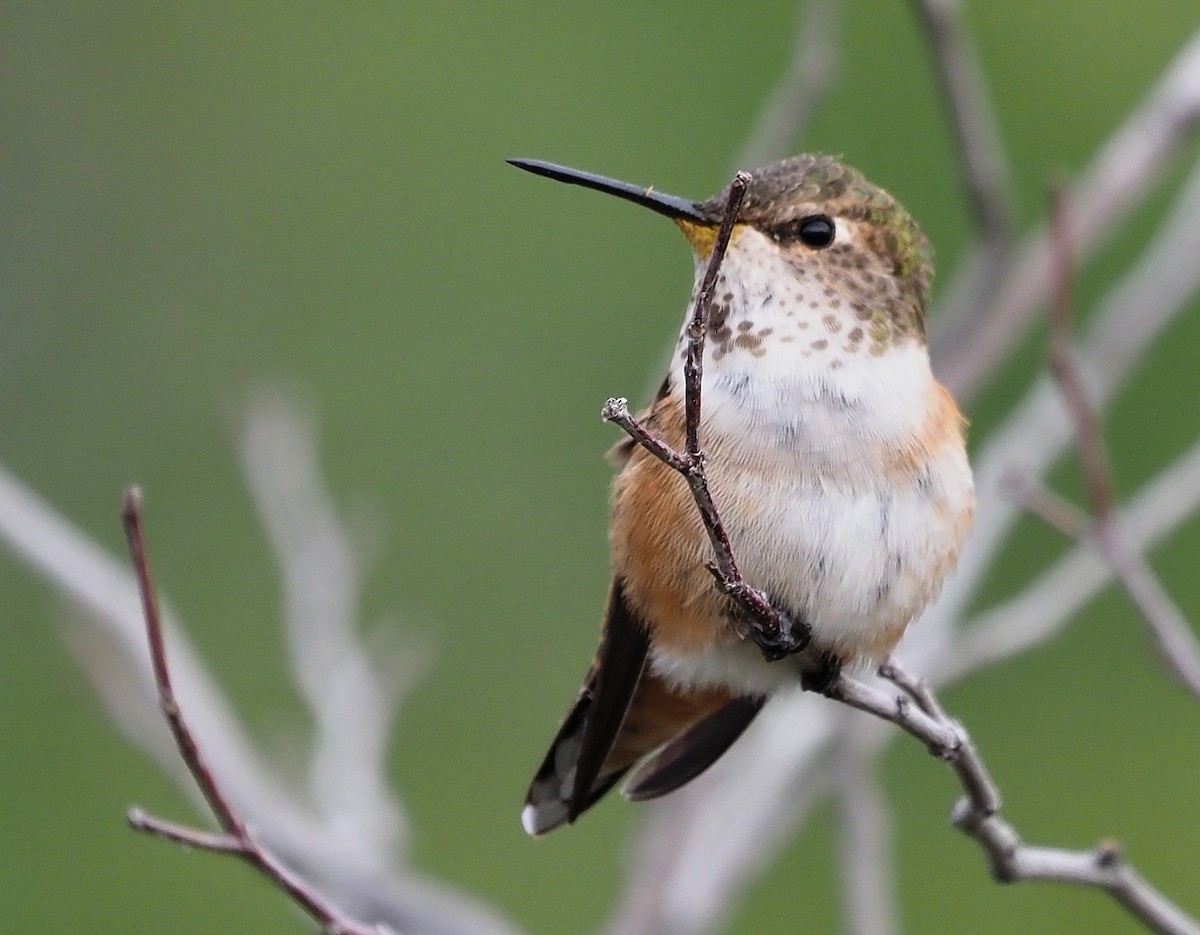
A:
(857, 564)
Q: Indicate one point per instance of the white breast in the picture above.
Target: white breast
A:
(854, 561)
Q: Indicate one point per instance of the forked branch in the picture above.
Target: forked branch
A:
(977, 815)
(1176, 640)
(237, 838)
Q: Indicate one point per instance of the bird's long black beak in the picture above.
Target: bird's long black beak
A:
(678, 209)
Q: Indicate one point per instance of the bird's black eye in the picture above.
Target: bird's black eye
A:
(816, 231)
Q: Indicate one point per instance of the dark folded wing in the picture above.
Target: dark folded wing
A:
(693, 751)
(569, 780)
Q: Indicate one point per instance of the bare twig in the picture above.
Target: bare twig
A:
(1051, 601)
(1175, 639)
(364, 873)
(771, 627)
(1089, 439)
(968, 340)
(1053, 509)
(976, 815)
(809, 75)
(351, 692)
(864, 839)
(697, 327)
(237, 838)
(979, 148)
(195, 761)
(183, 834)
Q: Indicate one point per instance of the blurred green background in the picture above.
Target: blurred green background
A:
(197, 197)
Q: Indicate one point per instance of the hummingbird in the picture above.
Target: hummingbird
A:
(836, 460)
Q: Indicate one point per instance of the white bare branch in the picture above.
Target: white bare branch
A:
(703, 844)
(352, 703)
(1175, 638)
(968, 339)
(864, 830)
(1173, 634)
(980, 148)
(1050, 602)
(102, 588)
(1039, 431)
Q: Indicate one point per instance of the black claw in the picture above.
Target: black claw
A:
(793, 636)
(822, 678)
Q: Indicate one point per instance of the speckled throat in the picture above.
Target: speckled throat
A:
(815, 350)
(814, 184)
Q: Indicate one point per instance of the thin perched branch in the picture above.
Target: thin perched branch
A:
(1103, 868)
(810, 73)
(775, 633)
(237, 838)
(917, 711)
(976, 815)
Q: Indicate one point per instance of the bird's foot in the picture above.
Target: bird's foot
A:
(791, 636)
(823, 676)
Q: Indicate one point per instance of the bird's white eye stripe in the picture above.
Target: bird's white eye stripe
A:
(842, 229)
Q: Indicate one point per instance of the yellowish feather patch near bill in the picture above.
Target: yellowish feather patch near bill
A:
(703, 236)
